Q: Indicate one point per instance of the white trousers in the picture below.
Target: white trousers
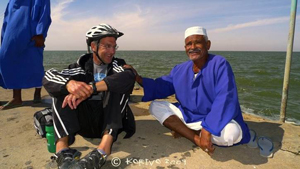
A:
(231, 133)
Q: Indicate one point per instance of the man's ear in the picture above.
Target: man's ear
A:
(208, 43)
(93, 46)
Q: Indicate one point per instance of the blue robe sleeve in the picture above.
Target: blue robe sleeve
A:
(159, 88)
(225, 105)
(41, 14)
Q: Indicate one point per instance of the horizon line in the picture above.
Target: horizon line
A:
(182, 50)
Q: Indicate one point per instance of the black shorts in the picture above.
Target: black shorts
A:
(88, 120)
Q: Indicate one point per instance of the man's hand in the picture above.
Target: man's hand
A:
(130, 67)
(138, 78)
(80, 89)
(205, 142)
(39, 40)
(72, 101)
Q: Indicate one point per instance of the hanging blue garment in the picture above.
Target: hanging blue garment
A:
(21, 63)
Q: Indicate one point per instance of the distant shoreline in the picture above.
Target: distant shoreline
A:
(211, 51)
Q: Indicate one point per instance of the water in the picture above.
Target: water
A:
(259, 75)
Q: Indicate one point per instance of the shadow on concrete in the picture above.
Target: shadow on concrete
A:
(249, 156)
(153, 141)
(149, 142)
(45, 102)
(135, 98)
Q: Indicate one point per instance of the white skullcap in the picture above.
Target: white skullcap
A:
(195, 30)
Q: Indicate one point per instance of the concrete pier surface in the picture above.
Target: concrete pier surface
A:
(152, 146)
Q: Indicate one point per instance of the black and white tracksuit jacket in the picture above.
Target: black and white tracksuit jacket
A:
(119, 81)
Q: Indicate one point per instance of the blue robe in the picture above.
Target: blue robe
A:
(211, 97)
(21, 63)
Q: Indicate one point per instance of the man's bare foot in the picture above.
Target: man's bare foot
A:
(11, 104)
(175, 134)
(197, 140)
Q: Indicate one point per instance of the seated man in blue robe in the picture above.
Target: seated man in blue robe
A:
(208, 111)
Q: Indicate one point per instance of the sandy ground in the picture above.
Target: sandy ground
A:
(152, 146)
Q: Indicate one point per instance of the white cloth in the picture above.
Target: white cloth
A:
(195, 30)
(231, 134)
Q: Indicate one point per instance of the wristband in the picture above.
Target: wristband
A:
(94, 88)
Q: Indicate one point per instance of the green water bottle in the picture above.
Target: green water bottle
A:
(50, 138)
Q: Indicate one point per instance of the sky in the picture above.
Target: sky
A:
(232, 25)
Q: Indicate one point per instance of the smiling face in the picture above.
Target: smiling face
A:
(196, 47)
(106, 51)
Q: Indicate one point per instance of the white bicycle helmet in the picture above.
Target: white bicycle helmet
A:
(100, 31)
